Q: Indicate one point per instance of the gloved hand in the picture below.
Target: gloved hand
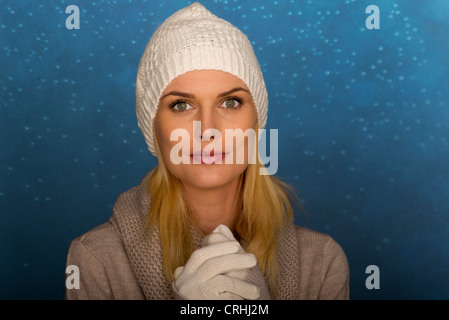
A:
(253, 275)
(204, 275)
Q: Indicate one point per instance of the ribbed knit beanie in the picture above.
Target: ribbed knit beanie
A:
(194, 39)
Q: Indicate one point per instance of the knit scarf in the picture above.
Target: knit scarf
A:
(145, 253)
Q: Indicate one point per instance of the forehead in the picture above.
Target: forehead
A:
(205, 80)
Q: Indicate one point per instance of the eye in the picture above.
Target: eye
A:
(231, 103)
(180, 106)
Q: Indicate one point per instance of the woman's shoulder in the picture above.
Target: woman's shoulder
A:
(98, 237)
(102, 243)
(324, 262)
(105, 272)
(311, 242)
(306, 235)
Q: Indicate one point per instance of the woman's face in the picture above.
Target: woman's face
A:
(219, 101)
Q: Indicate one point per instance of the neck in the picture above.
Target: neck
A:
(212, 207)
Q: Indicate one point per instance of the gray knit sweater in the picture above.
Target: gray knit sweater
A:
(115, 260)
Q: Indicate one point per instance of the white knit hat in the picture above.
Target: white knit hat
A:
(194, 39)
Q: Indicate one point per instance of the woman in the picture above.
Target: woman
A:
(202, 224)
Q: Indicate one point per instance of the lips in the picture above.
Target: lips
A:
(212, 157)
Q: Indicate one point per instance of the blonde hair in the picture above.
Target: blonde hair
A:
(266, 209)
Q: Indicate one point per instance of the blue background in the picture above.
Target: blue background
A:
(363, 119)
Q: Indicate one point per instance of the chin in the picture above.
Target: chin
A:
(204, 176)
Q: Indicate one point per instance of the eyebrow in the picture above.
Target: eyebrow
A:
(221, 95)
(192, 96)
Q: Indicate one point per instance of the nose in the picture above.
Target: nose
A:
(208, 130)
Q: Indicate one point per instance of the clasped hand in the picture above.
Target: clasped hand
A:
(220, 270)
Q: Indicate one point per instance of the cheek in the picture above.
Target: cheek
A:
(172, 151)
(244, 143)
(163, 132)
(163, 137)
(250, 119)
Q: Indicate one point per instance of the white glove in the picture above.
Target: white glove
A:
(204, 275)
(252, 275)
